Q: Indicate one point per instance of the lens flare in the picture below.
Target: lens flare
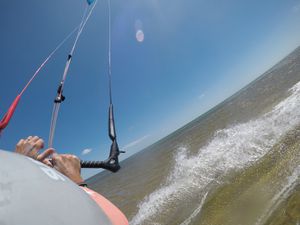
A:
(140, 36)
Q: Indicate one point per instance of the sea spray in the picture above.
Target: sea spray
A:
(231, 149)
(282, 195)
(196, 211)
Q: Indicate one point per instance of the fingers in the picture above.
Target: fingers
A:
(58, 163)
(45, 154)
(55, 157)
(34, 145)
(28, 138)
(36, 142)
(19, 146)
(64, 159)
(30, 146)
(73, 158)
(69, 165)
(33, 139)
(39, 143)
(48, 162)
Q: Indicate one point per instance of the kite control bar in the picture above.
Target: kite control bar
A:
(112, 163)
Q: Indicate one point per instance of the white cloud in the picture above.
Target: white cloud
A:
(135, 142)
(201, 96)
(86, 151)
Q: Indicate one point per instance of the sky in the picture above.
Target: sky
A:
(171, 62)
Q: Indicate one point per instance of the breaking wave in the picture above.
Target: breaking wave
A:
(231, 149)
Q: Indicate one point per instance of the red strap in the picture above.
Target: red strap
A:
(5, 120)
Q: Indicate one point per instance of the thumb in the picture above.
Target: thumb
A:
(45, 154)
(55, 158)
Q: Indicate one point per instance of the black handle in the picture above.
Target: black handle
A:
(100, 165)
(111, 164)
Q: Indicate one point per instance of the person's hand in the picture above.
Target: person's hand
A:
(69, 165)
(31, 146)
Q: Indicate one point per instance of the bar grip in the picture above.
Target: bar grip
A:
(113, 167)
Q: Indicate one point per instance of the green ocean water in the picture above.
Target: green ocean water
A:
(237, 164)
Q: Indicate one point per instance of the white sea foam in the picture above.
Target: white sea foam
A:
(196, 211)
(231, 149)
(282, 195)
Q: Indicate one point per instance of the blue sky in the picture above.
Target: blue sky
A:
(194, 54)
